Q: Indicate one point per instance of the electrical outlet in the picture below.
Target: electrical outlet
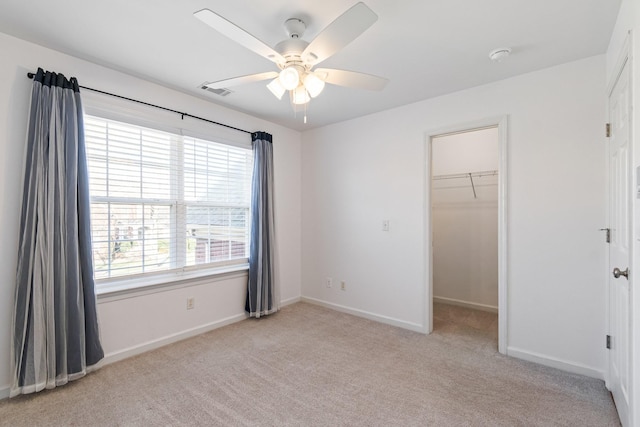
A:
(343, 285)
(191, 303)
(329, 282)
(385, 225)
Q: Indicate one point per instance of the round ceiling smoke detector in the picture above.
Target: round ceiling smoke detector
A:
(498, 55)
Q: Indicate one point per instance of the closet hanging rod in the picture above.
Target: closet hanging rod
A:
(466, 175)
(32, 75)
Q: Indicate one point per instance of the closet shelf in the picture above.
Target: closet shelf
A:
(469, 175)
(466, 175)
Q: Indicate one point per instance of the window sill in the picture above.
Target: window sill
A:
(133, 287)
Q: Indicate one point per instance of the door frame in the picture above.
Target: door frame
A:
(501, 122)
(625, 58)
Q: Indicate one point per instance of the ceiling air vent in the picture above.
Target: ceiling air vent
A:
(221, 91)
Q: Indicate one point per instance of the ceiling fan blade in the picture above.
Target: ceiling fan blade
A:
(237, 34)
(342, 31)
(351, 79)
(235, 81)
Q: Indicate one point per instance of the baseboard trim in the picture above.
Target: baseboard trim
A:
(367, 315)
(467, 304)
(552, 362)
(289, 301)
(119, 355)
(179, 336)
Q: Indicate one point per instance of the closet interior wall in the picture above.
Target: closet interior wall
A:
(465, 219)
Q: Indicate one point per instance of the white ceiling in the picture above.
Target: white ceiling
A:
(425, 48)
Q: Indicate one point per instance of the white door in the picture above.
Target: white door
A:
(620, 199)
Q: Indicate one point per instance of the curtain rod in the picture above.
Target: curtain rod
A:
(32, 75)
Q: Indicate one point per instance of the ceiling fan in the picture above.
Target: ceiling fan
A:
(297, 58)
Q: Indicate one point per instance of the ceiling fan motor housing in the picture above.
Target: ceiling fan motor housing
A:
(291, 49)
(295, 28)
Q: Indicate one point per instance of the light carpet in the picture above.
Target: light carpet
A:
(311, 366)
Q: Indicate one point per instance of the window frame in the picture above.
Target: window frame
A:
(109, 108)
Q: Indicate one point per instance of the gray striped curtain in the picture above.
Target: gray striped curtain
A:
(55, 335)
(262, 291)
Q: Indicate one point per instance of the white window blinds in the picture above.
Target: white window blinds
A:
(162, 201)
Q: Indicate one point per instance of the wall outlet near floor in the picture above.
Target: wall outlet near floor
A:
(191, 303)
(343, 285)
(329, 282)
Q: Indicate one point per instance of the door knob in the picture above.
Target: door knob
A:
(617, 273)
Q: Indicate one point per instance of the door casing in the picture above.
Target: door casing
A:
(501, 123)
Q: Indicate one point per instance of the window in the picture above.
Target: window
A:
(162, 201)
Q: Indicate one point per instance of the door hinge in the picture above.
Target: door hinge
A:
(608, 235)
(609, 342)
(607, 130)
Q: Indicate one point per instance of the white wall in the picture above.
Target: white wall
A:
(474, 151)
(465, 224)
(359, 172)
(136, 322)
(465, 254)
(629, 20)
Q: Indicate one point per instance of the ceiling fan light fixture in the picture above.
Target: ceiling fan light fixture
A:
(276, 88)
(313, 84)
(295, 57)
(300, 96)
(289, 78)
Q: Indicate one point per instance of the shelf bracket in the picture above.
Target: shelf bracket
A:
(473, 187)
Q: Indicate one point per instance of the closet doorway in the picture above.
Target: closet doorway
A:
(467, 228)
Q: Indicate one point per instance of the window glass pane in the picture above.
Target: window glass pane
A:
(130, 238)
(157, 235)
(157, 182)
(162, 201)
(100, 239)
(95, 132)
(216, 234)
(216, 172)
(239, 232)
(123, 177)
